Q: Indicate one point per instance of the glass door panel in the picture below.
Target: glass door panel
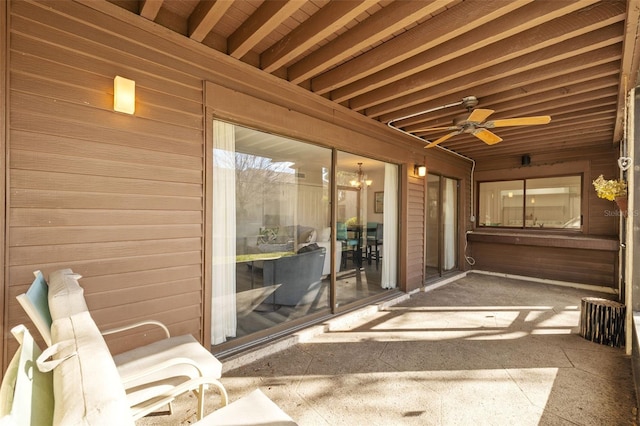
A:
(442, 226)
(366, 224)
(433, 226)
(271, 235)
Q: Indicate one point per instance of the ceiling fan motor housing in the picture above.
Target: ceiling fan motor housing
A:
(469, 102)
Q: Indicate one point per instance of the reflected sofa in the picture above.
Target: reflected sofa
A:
(292, 238)
(299, 277)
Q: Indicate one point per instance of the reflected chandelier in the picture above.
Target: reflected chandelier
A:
(361, 178)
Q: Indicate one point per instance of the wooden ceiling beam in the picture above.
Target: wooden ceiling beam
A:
(496, 94)
(630, 63)
(205, 16)
(326, 21)
(468, 47)
(549, 39)
(263, 21)
(555, 127)
(511, 106)
(588, 50)
(535, 145)
(566, 103)
(453, 22)
(372, 30)
(149, 8)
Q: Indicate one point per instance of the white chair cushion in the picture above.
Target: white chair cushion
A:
(87, 385)
(66, 297)
(179, 347)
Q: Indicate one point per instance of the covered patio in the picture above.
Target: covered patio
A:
(482, 349)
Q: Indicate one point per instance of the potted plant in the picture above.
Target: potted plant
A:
(612, 190)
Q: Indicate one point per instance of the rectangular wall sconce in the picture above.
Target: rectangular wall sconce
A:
(420, 170)
(124, 95)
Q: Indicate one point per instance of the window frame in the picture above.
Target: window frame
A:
(524, 227)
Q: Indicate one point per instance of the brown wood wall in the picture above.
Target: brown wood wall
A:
(117, 198)
(415, 232)
(591, 260)
(594, 267)
(3, 126)
(121, 199)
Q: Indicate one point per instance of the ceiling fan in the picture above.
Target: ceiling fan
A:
(474, 123)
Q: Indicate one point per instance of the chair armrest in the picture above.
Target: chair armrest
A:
(199, 384)
(162, 366)
(135, 325)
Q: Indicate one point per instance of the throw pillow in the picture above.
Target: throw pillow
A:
(267, 235)
(312, 236)
(326, 234)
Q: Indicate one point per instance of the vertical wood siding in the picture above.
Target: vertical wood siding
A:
(415, 233)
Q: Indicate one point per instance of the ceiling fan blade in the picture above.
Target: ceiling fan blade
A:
(429, 129)
(486, 136)
(479, 115)
(442, 139)
(521, 121)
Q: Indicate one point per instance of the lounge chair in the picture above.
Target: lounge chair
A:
(79, 385)
(146, 371)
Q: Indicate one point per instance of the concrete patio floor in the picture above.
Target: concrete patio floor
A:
(482, 350)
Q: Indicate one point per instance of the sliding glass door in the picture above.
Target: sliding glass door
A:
(271, 250)
(366, 227)
(441, 227)
(276, 258)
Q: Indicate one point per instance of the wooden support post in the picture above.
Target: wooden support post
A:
(602, 321)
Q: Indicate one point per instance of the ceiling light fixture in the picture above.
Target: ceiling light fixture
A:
(361, 178)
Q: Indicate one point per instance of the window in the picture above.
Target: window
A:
(552, 202)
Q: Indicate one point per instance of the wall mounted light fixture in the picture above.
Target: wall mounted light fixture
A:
(420, 170)
(124, 95)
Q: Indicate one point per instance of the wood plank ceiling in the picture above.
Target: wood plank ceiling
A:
(572, 60)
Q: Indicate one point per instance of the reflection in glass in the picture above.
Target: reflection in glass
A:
(271, 235)
(441, 226)
(532, 203)
(365, 233)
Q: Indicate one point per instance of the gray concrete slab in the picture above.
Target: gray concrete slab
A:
(483, 350)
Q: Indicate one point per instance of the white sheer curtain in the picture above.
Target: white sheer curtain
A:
(223, 306)
(390, 231)
(449, 217)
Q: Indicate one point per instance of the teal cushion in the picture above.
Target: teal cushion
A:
(35, 303)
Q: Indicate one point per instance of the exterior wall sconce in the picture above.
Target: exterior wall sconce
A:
(124, 95)
(420, 170)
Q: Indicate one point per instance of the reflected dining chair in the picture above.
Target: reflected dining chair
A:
(349, 245)
(374, 241)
